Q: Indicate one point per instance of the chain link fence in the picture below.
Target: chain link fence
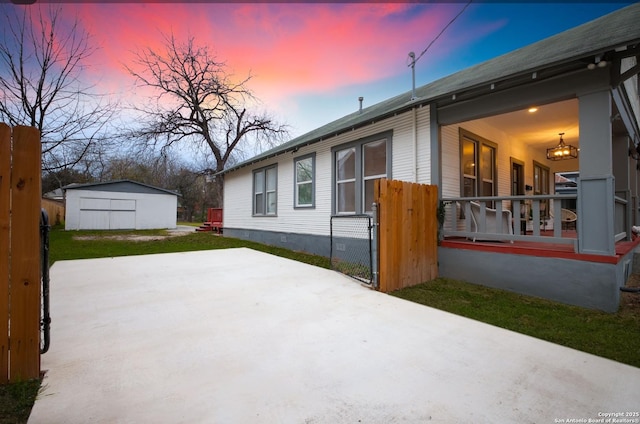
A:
(351, 246)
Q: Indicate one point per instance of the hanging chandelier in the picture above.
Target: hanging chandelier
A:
(562, 151)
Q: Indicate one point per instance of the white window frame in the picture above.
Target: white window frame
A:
(359, 180)
(346, 180)
(297, 184)
(264, 191)
(478, 178)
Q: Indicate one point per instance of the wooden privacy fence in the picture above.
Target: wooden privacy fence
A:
(20, 189)
(407, 233)
(55, 210)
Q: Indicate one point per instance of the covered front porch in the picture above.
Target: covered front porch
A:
(504, 164)
(538, 250)
(507, 219)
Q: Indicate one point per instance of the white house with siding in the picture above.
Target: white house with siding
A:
(476, 136)
(119, 205)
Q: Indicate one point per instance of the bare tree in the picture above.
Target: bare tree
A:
(167, 171)
(198, 102)
(41, 64)
(57, 179)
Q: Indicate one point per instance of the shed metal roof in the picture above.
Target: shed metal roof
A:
(121, 186)
(618, 29)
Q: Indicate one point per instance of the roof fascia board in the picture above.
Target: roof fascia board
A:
(82, 186)
(519, 97)
(294, 148)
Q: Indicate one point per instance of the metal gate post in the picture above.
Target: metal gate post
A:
(45, 317)
(373, 240)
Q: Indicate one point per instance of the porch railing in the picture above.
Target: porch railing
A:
(623, 212)
(531, 218)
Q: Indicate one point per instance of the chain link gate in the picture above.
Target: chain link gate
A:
(352, 246)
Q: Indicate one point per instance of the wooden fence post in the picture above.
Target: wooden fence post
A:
(5, 177)
(26, 188)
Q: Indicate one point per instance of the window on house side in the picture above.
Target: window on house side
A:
(265, 191)
(346, 180)
(478, 165)
(357, 165)
(304, 182)
(469, 168)
(374, 158)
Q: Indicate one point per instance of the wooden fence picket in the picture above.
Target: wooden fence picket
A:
(26, 189)
(20, 275)
(5, 177)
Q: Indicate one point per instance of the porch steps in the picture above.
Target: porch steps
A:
(210, 227)
(213, 222)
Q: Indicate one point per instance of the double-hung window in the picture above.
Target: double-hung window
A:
(374, 166)
(478, 165)
(304, 185)
(265, 191)
(346, 180)
(356, 166)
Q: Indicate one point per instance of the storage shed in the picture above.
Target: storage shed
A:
(119, 205)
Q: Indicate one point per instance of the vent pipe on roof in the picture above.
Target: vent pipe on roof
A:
(360, 99)
(412, 56)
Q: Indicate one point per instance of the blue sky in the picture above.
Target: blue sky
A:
(482, 32)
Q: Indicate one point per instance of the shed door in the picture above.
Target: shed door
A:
(107, 214)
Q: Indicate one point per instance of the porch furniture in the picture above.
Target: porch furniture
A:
(569, 219)
(494, 224)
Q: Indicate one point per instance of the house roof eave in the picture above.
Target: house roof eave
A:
(76, 186)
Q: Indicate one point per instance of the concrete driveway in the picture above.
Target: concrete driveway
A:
(239, 336)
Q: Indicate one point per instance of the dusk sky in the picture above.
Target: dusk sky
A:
(311, 62)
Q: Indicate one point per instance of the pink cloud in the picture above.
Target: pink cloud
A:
(318, 48)
(290, 49)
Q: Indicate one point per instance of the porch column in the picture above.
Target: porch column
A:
(623, 185)
(596, 183)
(435, 149)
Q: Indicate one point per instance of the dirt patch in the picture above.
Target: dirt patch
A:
(123, 237)
(135, 237)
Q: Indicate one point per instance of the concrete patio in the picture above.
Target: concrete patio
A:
(239, 336)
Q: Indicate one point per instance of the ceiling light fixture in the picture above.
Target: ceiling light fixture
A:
(533, 109)
(562, 151)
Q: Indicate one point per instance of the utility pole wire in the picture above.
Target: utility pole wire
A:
(413, 62)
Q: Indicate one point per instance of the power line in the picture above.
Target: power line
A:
(413, 62)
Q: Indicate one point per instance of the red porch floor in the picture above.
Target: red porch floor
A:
(548, 250)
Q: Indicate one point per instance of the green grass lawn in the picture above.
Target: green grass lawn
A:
(614, 336)
(66, 245)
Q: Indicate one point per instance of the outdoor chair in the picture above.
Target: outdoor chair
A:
(568, 219)
(492, 221)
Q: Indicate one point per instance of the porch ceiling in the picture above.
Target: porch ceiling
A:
(541, 128)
